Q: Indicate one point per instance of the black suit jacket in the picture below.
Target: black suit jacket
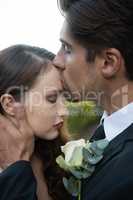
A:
(113, 177)
(17, 182)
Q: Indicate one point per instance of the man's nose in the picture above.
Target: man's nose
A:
(59, 62)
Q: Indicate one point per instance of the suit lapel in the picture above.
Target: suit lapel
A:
(116, 146)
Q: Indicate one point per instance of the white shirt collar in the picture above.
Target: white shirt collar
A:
(118, 121)
(105, 114)
(1, 170)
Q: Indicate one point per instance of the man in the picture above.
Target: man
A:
(96, 59)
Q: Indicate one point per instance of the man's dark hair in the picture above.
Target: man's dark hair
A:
(101, 24)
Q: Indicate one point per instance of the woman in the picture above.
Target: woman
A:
(28, 77)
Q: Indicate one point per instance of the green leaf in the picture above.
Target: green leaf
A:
(89, 168)
(77, 173)
(83, 172)
(72, 186)
(102, 144)
(98, 147)
(92, 158)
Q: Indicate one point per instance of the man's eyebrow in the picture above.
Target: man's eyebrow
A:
(64, 42)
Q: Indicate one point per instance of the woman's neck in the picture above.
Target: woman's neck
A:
(42, 189)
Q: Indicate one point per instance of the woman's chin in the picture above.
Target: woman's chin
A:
(51, 135)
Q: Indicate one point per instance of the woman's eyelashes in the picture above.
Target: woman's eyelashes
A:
(52, 98)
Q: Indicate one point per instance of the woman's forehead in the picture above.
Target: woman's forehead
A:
(51, 80)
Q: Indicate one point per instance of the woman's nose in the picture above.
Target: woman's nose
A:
(62, 111)
(59, 62)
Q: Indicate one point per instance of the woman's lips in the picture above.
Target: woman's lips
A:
(59, 125)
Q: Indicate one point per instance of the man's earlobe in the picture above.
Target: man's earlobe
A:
(112, 63)
(7, 102)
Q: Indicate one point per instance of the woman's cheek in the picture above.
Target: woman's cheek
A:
(48, 110)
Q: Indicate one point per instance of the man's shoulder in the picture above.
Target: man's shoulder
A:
(111, 175)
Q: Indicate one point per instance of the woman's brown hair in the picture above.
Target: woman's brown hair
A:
(20, 65)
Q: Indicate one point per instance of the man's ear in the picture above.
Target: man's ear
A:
(7, 102)
(112, 62)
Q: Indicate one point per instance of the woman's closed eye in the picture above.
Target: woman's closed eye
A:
(52, 98)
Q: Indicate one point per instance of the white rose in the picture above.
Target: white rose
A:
(73, 152)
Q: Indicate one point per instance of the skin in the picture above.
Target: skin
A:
(71, 57)
(42, 190)
(49, 110)
(19, 138)
(45, 104)
(98, 80)
(44, 108)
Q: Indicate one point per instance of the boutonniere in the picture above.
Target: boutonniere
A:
(80, 158)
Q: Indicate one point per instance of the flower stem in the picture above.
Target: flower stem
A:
(79, 195)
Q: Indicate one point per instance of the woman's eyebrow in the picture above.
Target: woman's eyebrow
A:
(56, 91)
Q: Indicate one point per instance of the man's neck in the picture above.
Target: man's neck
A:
(116, 99)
